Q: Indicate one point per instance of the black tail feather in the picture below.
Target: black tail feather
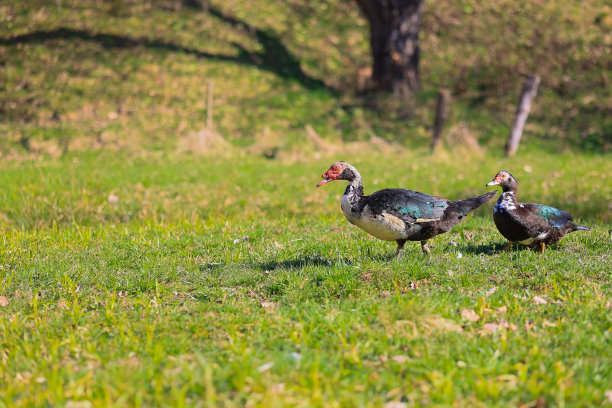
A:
(470, 204)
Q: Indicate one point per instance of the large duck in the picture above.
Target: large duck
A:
(399, 215)
(534, 225)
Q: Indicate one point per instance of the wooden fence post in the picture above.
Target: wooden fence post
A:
(209, 113)
(209, 106)
(530, 89)
(441, 116)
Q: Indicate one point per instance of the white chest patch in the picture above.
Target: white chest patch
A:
(385, 226)
(505, 203)
(346, 206)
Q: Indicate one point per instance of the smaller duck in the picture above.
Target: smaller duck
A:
(534, 225)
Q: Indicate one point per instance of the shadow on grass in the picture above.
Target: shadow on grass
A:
(273, 56)
(297, 263)
(486, 249)
(491, 249)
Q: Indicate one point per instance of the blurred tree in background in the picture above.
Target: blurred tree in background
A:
(394, 41)
(124, 74)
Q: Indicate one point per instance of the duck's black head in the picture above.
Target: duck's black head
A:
(340, 171)
(505, 180)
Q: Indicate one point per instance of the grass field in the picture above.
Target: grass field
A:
(137, 271)
(124, 286)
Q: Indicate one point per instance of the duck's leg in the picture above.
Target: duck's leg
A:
(542, 247)
(425, 247)
(508, 246)
(400, 247)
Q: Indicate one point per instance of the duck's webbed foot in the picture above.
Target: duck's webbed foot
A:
(425, 247)
(400, 248)
(508, 246)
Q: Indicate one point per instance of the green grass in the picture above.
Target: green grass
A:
(133, 273)
(148, 300)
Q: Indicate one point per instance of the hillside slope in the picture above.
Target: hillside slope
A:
(127, 74)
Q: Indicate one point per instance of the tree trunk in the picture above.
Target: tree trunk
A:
(394, 40)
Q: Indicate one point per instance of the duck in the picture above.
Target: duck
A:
(533, 225)
(395, 214)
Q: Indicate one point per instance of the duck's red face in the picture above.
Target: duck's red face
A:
(499, 178)
(333, 173)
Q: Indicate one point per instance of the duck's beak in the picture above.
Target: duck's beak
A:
(494, 182)
(325, 180)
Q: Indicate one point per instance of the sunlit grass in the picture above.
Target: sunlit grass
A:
(133, 273)
(232, 282)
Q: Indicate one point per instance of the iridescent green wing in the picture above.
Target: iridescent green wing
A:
(556, 217)
(410, 206)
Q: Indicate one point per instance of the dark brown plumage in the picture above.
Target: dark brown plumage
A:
(534, 225)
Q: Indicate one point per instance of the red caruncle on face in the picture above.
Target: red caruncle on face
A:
(332, 174)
